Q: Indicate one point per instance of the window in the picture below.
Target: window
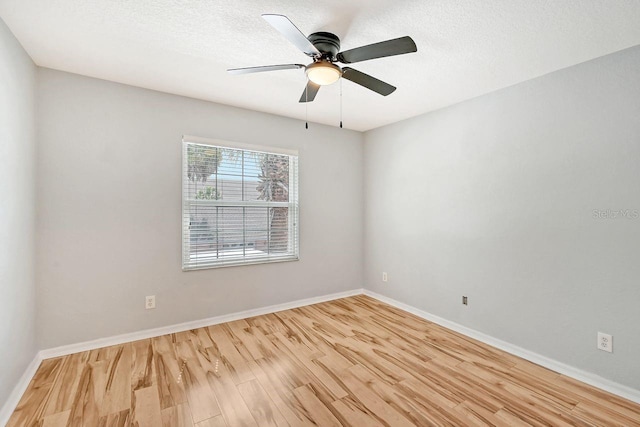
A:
(240, 204)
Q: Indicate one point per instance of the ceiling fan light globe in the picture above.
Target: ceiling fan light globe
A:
(323, 73)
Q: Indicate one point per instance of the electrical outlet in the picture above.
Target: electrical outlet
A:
(465, 300)
(605, 342)
(385, 278)
(150, 302)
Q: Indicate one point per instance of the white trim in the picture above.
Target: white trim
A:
(239, 145)
(239, 262)
(15, 396)
(187, 326)
(569, 371)
(554, 365)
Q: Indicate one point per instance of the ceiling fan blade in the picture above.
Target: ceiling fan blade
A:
(393, 47)
(292, 33)
(367, 81)
(248, 70)
(310, 92)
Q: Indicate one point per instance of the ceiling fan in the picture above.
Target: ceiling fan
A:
(324, 48)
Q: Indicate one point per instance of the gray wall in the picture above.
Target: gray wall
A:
(493, 198)
(17, 210)
(109, 221)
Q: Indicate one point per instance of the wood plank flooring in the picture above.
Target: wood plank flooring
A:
(349, 362)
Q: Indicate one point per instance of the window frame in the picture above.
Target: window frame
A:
(293, 240)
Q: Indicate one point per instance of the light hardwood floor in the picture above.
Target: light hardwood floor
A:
(353, 362)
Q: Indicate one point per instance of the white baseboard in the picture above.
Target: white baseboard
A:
(554, 365)
(570, 371)
(11, 404)
(15, 396)
(187, 326)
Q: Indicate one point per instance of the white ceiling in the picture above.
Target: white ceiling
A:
(465, 48)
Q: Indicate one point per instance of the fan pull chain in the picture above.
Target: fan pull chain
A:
(306, 106)
(340, 103)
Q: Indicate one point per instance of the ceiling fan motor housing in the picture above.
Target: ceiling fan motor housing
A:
(327, 43)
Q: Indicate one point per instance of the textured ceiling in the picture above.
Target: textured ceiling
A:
(465, 48)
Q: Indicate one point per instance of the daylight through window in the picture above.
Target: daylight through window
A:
(240, 206)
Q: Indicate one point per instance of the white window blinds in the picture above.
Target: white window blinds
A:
(240, 206)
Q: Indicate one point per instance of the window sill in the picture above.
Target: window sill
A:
(239, 263)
